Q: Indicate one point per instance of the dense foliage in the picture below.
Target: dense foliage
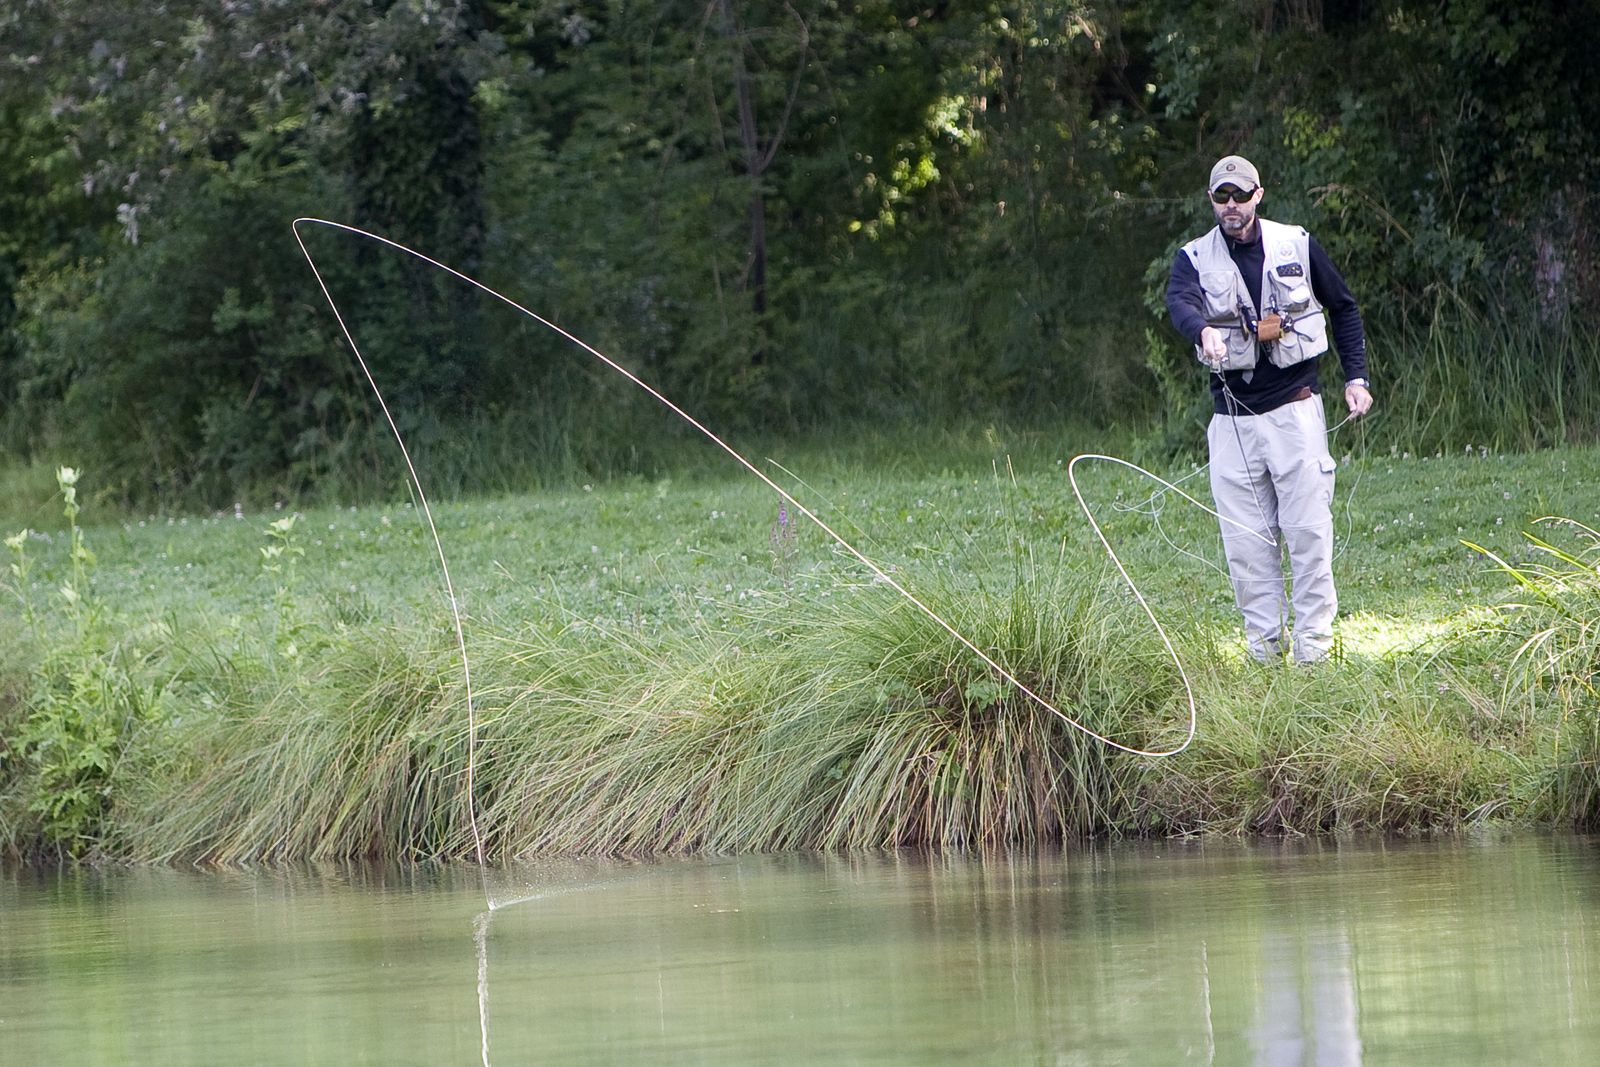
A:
(783, 212)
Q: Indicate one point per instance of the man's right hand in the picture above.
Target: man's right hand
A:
(1213, 347)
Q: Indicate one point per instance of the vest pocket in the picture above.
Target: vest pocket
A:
(1305, 327)
(1222, 290)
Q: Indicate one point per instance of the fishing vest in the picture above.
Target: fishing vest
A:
(1285, 288)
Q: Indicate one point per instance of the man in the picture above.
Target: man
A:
(1255, 297)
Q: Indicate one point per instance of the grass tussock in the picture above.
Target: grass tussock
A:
(362, 755)
(872, 728)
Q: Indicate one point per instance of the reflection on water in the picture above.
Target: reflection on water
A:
(1460, 953)
(1307, 1009)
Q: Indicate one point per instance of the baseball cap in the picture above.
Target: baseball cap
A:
(1234, 170)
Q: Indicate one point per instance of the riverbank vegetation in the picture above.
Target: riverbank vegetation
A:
(679, 665)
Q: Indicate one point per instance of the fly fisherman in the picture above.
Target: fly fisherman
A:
(1256, 298)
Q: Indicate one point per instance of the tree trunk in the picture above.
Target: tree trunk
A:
(755, 269)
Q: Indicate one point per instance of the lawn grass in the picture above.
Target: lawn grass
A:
(677, 664)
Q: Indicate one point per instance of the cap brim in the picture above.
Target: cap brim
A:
(1245, 183)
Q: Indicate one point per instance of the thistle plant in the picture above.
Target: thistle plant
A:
(21, 574)
(279, 557)
(75, 590)
(83, 706)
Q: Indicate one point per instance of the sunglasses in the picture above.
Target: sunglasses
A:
(1229, 192)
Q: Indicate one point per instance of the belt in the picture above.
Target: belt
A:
(1302, 393)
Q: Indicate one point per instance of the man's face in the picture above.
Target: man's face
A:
(1238, 220)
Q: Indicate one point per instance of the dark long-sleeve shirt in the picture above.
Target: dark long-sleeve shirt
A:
(1270, 386)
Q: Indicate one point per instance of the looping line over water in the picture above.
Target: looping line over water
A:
(880, 573)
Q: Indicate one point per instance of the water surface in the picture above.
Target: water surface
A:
(1465, 952)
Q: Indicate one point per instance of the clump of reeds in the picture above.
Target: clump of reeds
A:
(865, 726)
(1504, 378)
(358, 752)
(1331, 748)
(1555, 664)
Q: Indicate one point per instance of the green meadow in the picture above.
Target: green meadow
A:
(685, 662)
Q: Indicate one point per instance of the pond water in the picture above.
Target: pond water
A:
(1460, 952)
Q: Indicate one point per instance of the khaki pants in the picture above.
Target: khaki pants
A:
(1272, 476)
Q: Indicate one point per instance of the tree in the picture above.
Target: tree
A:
(202, 125)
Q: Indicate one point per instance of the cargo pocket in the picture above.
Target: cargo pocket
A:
(1326, 466)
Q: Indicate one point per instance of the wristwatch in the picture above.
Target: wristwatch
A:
(1359, 381)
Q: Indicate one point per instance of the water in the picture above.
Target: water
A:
(1465, 952)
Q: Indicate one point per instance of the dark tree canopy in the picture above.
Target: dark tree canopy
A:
(785, 212)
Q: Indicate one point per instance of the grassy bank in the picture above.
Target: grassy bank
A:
(681, 664)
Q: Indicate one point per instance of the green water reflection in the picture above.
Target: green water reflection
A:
(1461, 952)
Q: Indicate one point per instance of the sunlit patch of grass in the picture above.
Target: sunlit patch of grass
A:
(1368, 635)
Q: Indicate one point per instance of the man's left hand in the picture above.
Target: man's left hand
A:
(1359, 400)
